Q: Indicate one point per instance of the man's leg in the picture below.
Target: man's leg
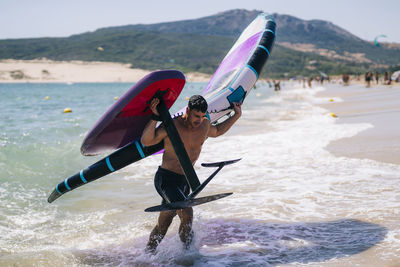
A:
(185, 229)
(159, 231)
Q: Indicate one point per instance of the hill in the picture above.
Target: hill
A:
(301, 48)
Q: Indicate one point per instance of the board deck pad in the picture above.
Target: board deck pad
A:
(186, 204)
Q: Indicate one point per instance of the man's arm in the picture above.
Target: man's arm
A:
(152, 135)
(223, 127)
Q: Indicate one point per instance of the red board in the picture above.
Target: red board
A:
(124, 121)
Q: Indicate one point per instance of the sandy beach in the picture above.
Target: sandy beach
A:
(378, 105)
(47, 71)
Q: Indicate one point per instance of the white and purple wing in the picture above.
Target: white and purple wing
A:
(241, 67)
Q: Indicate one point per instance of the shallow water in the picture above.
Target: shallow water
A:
(294, 203)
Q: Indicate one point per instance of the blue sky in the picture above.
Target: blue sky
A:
(58, 18)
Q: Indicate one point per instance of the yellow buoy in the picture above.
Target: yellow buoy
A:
(116, 98)
(47, 98)
(333, 115)
(67, 110)
(331, 100)
(100, 48)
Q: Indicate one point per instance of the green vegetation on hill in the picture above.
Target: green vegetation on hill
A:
(200, 45)
(147, 50)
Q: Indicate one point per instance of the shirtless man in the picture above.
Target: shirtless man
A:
(170, 181)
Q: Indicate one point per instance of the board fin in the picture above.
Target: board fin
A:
(191, 200)
(187, 203)
(220, 165)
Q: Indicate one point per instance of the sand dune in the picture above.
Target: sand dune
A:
(44, 70)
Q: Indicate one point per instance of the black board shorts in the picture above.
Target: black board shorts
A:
(171, 186)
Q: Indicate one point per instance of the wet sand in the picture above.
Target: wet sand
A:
(378, 105)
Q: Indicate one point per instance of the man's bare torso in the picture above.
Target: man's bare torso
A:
(192, 138)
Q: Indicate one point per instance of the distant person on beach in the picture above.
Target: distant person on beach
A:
(387, 78)
(322, 79)
(170, 182)
(277, 85)
(377, 77)
(368, 78)
(309, 80)
(345, 79)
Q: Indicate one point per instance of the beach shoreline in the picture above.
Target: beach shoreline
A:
(49, 71)
(379, 106)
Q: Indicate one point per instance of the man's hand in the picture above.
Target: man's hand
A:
(224, 126)
(153, 106)
(237, 107)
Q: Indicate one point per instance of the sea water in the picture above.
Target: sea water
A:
(293, 202)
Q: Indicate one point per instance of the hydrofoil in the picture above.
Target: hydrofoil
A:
(187, 167)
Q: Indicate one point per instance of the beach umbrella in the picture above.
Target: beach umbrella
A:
(396, 76)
